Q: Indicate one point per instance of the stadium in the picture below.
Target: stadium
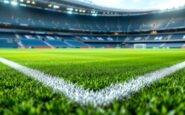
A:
(91, 57)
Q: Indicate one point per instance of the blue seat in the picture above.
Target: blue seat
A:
(7, 43)
(57, 43)
(33, 43)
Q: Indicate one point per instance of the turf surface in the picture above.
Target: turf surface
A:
(93, 69)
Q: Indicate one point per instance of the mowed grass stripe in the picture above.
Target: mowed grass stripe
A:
(95, 98)
(96, 68)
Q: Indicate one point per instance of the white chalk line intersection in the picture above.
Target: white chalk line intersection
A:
(95, 98)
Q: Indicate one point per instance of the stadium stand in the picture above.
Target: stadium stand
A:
(7, 41)
(134, 33)
(53, 41)
(39, 18)
(30, 41)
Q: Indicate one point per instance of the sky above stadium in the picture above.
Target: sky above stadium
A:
(138, 4)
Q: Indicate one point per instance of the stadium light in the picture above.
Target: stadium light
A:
(28, 1)
(50, 5)
(23, 5)
(6, 1)
(84, 11)
(56, 6)
(14, 3)
(69, 12)
(94, 14)
(21, 0)
(71, 9)
(33, 2)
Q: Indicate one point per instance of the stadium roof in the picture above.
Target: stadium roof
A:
(102, 7)
(136, 4)
(128, 5)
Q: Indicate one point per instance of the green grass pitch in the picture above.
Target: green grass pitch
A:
(92, 69)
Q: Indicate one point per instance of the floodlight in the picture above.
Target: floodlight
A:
(56, 6)
(6, 1)
(23, 5)
(71, 9)
(70, 12)
(50, 5)
(14, 3)
(28, 1)
(94, 14)
(33, 2)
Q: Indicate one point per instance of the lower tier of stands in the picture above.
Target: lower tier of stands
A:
(34, 43)
(56, 41)
(7, 43)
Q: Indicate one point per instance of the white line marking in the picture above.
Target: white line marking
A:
(95, 98)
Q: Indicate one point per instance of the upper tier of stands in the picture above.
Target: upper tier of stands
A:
(21, 16)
